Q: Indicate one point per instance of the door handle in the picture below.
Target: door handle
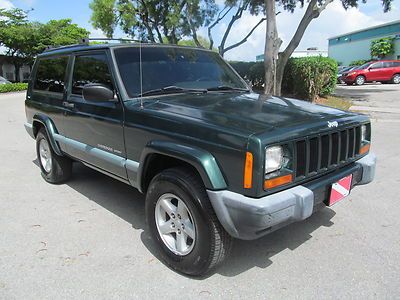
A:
(68, 104)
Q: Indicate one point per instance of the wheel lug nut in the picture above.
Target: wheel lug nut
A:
(179, 231)
(183, 226)
(173, 225)
(179, 216)
(173, 216)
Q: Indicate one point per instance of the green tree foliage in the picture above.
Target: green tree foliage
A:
(382, 47)
(23, 39)
(153, 20)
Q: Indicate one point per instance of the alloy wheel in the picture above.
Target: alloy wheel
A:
(175, 224)
(45, 155)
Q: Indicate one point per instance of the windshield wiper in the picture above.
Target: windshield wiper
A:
(227, 88)
(172, 89)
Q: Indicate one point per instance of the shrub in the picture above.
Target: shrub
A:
(359, 62)
(310, 77)
(13, 87)
(252, 72)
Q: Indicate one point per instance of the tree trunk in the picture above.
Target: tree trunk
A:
(17, 67)
(272, 44)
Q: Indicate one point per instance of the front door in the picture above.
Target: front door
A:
(375, 72)
(94, 130)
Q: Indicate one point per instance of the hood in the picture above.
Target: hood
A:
(244, 113)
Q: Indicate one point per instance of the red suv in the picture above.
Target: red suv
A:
(384, 71)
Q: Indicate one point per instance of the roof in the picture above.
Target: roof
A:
(365, 29)
(86, 47)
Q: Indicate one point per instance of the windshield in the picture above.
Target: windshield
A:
(168, 69)
(364, 66)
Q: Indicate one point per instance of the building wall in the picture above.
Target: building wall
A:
(8, 72)
(348, 52)
(356, 45)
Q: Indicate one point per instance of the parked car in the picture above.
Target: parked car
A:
(343, 70)
(4, 81)
(385, 71)
(215, 160)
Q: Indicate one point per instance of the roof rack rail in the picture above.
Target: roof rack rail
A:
(87, 40)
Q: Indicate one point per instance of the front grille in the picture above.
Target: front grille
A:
(319, 153)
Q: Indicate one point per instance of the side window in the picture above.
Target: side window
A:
(396, 64)
(50, 75)
(376, 65)
(91, 68)
(388, 64)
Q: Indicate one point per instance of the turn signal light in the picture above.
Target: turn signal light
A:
(248, 171)
(364, 149)
(278, 181)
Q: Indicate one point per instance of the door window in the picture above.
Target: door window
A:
(88, 69)
(50, 75)
(377, 65)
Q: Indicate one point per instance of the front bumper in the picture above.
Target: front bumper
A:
(248, 218)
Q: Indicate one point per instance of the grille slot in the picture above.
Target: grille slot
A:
(319, 153)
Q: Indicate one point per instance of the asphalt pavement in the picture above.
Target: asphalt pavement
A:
(87, 238)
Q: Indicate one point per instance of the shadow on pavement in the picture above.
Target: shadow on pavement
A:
(127, 203)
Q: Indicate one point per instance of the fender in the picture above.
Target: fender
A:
(50, 130)
(204, 162)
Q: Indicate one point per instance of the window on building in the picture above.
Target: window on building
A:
(90, 69)
(50, 75)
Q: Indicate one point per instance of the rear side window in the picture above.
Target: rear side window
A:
(50, 75)
(388, 64)
(396, 64)
(91, 68)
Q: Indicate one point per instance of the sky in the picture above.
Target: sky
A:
(333, 21)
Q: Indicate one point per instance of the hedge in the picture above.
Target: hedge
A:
(13, 87)
(305, 77)
(310, 77)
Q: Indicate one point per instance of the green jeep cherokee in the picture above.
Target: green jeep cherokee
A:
(215, 160)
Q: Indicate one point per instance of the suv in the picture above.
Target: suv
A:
(215, 160)
(385, 71)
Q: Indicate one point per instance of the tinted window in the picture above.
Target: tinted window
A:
(377, 65)
(169, 66)
(396, 64)
(387, 64)
(50, 75)
(90, 69)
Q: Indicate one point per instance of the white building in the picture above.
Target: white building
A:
(301, 53)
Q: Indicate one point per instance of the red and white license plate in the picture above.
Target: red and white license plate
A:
(340, 189)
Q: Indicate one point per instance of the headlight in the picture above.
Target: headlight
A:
(273, 159)
(363, 133)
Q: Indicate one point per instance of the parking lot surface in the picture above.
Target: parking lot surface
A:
(87, 238)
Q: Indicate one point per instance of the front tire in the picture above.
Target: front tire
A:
(55, 169)
(360, 80)
(183, 223)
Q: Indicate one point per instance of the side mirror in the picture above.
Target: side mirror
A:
(97, 92)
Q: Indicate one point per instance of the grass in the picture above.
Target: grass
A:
(335, 102)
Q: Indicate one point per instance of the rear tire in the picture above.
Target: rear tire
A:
(206, 243)
(396, 79)
(55, 169)
(360, 80)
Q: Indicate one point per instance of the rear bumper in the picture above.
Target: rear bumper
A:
(248, 218)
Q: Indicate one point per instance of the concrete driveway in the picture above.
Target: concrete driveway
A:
(87, 238)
